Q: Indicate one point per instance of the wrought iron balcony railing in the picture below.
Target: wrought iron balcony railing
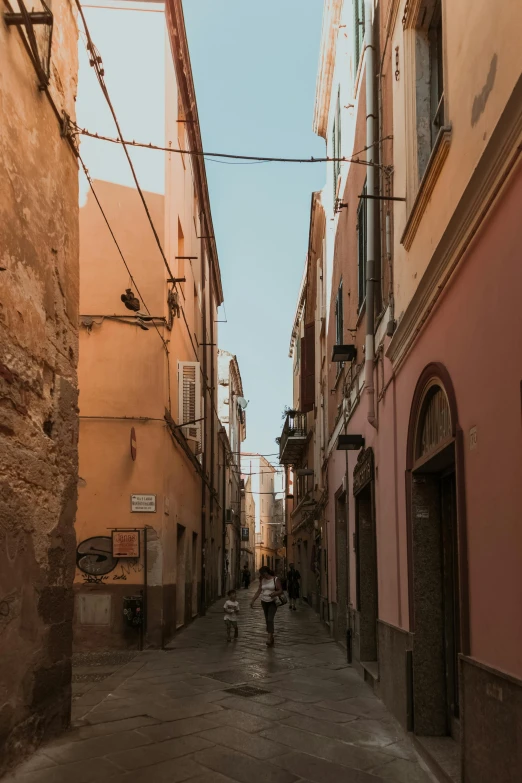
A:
(293, 438)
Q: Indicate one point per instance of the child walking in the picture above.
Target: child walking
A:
(231, 612)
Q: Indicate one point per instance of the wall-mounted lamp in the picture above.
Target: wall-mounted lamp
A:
(344, 353)
(350, 442)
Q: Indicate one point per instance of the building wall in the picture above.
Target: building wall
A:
(481, 71)
(451, 308)
(38, 389)
(124, 374)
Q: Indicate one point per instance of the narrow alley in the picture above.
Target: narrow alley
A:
(208, 711)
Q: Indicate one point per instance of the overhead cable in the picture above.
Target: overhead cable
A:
(201, 153)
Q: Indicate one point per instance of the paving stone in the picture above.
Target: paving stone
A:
(211, 777)
(243, 768)
(243, 721)
(80, 772)
(361, 707)
(402, 771)
(326, 748)
(347, 732)
(160, 751)
(94, 747)
(177, 728)
(172, 713)
(322, 771)
(234, 738)
(171, 771)
(254, 708)
(314, 711)
(103, 729)
(37, 762)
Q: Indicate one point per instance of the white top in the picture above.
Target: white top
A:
(233, 609)
(268, 586)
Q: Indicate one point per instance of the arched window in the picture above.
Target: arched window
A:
(434, 426)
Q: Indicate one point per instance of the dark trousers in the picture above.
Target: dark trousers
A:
(270, 609)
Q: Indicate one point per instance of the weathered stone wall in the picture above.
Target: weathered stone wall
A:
(38, 389)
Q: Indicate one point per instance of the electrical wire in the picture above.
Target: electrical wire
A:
(96, 62)
(201, 153)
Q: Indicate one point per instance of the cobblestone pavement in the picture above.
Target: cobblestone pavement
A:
(181, 715)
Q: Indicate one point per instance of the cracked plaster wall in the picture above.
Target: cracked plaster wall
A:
(38, 389)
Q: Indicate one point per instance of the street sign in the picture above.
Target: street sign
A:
(133, 446)
(143, 504)
(126, 543)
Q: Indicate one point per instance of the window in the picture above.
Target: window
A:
(436, 73)
(358, 7)
(339, 317)
(429, 79)
(189, 385)
(336, 144)
(362, 229)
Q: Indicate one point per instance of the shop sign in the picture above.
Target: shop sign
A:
(126, 543)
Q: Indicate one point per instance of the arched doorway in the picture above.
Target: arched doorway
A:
(436, 554)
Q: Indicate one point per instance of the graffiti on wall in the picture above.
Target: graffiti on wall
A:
(126, 568)
(95, 560)
(94, 556)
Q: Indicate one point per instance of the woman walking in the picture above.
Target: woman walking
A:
(269, 589)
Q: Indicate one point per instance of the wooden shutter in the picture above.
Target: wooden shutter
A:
(189, 380)
(308, 369)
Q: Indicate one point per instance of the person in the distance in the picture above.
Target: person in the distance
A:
(269, 589)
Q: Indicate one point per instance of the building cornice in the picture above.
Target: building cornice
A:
(497, 162)
(331, 17)
(180, 55)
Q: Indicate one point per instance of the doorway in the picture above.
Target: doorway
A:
(366, 575)
(341, 554)
(194, 574)
(180, 577)
(434, 577)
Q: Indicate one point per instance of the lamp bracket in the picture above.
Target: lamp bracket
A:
(28, 20)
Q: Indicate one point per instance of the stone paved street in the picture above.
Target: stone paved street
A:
(179, 715)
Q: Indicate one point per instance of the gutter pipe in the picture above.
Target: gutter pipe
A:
(369, 54)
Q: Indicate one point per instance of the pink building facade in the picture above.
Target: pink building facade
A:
(412, 445)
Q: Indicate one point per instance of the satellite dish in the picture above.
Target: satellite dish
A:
(242, 402)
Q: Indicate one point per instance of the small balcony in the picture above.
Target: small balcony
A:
(293, 438)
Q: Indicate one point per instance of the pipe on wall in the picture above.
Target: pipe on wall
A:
(369, 56)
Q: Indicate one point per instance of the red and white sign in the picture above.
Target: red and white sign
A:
(126, 543)
(133, 446)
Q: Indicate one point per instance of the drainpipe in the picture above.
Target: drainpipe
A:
(370, 213)
(203, 598)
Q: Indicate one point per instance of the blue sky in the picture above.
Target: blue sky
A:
(255, 67)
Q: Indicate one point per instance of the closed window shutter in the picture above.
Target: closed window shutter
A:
(308, 369)
(190, 400)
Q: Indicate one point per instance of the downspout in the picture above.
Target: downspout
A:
(385, 215)
(370, 213)
(212, 388)
(224, 534)
(203, 606)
